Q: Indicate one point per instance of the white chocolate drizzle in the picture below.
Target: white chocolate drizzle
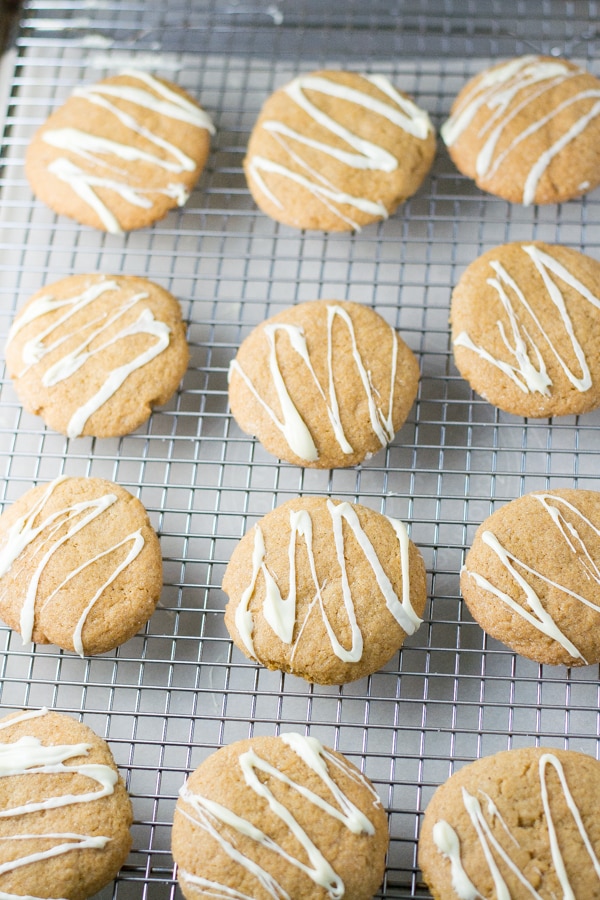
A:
(28, 756)
(46, 535)
(211, 816)
(533, 610)
(365, 155)
(95, 149)
(289, 422)
(496, 855)
(280, 612)
(500, 90)
(528, 370)
(35, 350)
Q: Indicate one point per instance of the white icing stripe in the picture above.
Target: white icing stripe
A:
(542, 163)
(50, 535)
(498, 90)
(146, 324)
(280, 613)
(83, 183)
(67, 365)
(137, 542)
(90, 146)
(260, 164)
(208, 888)
(28, 756)
(531, 375)
(291, 425)
(24, 717)
(403, 114)
(208, 815)
(447, 842)
(536, 615)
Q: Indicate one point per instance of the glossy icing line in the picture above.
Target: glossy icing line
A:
(50, 535)
(448, 844)
(37, 348)
(499, 89)
(365, 155)
(83, 184)
(210, 816)
(280, 612)
(94, 148)
(534, 612)
(529, 370)
(28, 756)
(289, 422)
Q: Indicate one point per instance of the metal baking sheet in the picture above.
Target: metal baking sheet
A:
(179, 690)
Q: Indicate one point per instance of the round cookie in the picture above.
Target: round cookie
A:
(80, 565)
(526, 329)
(336, 150)
(93, 354)
(64, 829)
(521, 823)
(279, 816)
(531, 578)
(325, 590)
(528, 130)
(119, 154)
(323, 384)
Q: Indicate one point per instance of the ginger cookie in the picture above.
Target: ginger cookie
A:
(93, 354)
(323, 384)
(279, 817)
(64, 828)
(528, 130)
(521, 823)
(526, 329)
(335, 150)
(80, 565)
(325, 590)
(532, 576)
(119, 154)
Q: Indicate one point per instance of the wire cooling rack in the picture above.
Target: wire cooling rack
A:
(179, 690)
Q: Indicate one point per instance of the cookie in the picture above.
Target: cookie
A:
(279, 817)
(93, 354)
(80, 565)
(532, 575)
(323, 384)
(325, 590)
(526, 329)
(521, 823)
(528, 130)
(119, 154)
(64, 828)
(334, 151)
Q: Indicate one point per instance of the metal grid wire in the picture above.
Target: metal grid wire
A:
(178, 690)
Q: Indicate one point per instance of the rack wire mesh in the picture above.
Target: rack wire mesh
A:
(178, 690)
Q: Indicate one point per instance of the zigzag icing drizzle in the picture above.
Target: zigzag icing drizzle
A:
(529, 371)
(448, 844)
(28, 756)
(48, 536)
(92, 148)
(280, 612)
(211, 816)
(498, 90)
(534, 612)
(66, 366)
(291, 425)
(366, 156)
